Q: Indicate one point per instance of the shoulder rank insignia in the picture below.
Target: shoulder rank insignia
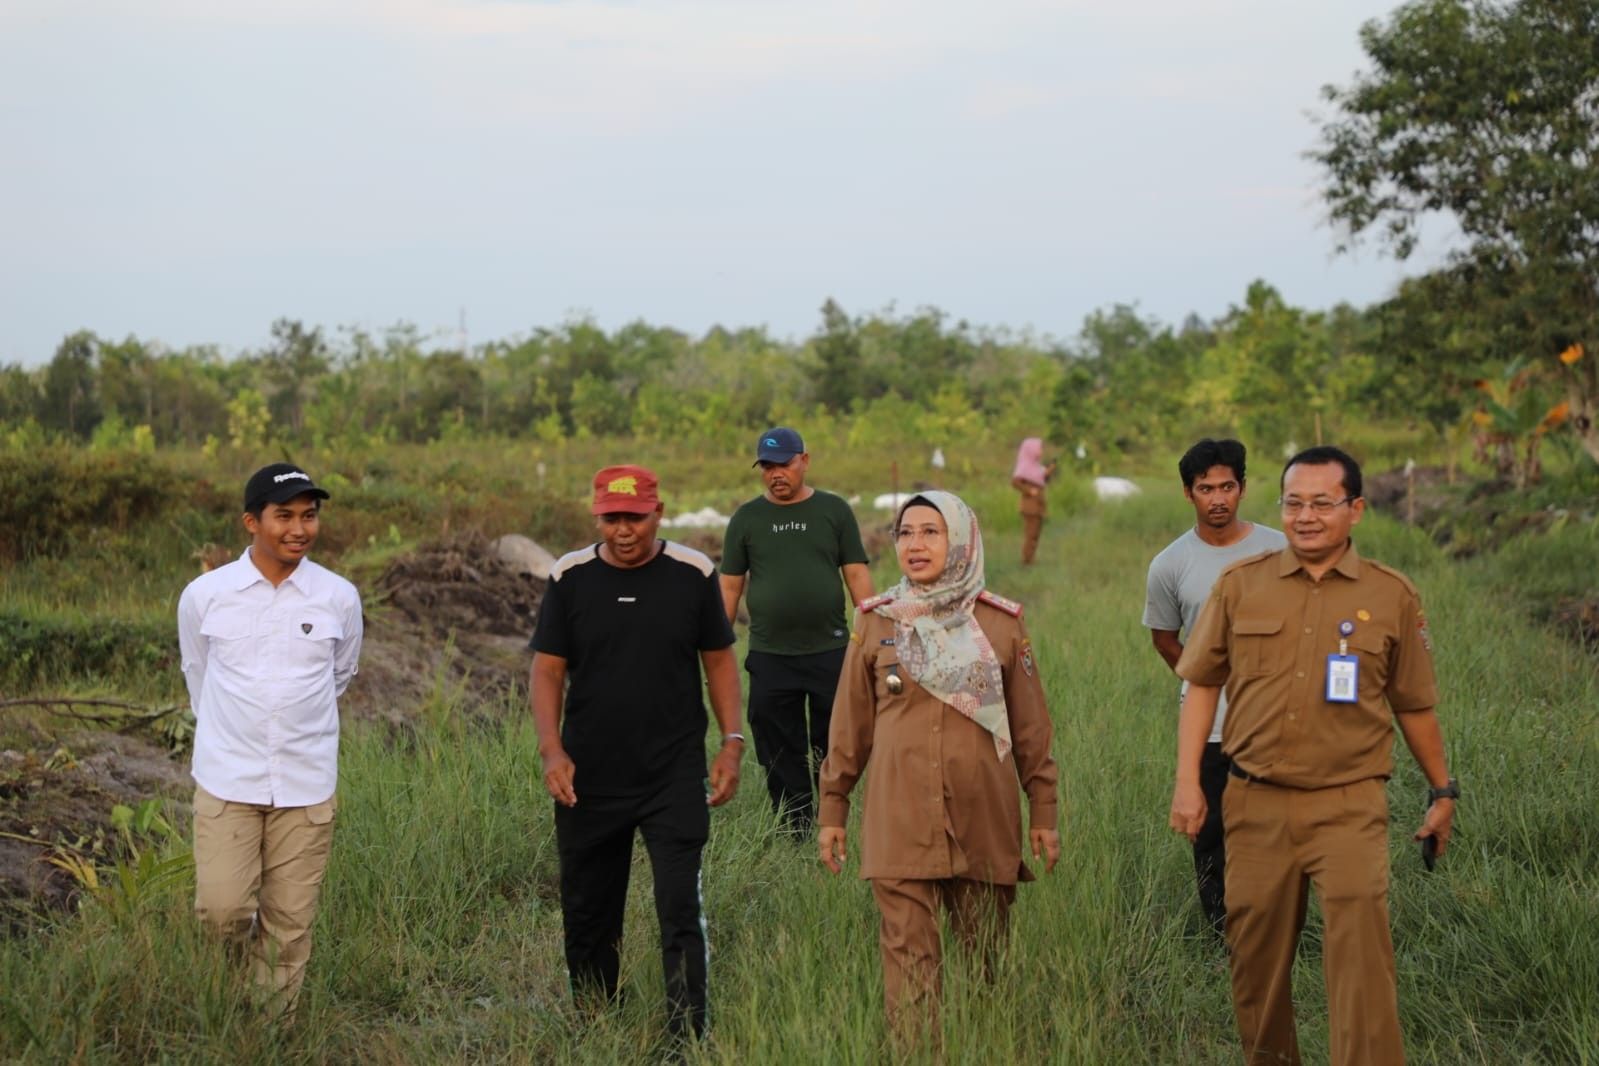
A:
(869, 605)
(1010, 607)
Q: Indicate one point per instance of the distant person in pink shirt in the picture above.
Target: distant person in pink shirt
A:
(1029, 478)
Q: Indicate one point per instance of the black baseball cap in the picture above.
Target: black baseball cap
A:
(778, 445)
(279, 483)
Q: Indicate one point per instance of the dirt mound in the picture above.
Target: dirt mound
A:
(448, 615)
(57, 800)
(460, 584)
(1579, 618)
(1389, 492)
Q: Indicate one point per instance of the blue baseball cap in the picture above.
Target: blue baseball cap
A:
(778, 445)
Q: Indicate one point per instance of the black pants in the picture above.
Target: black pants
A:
(791, 747)
(1210, 846)
(595, 843)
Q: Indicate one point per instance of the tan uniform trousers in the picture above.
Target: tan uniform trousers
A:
(1280, 841)
(1032, 526)
(912, 954)
(258, 871)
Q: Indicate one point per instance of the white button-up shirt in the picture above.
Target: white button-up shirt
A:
(265, 667)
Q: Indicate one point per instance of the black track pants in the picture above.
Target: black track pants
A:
(595, 843)
(789, 744)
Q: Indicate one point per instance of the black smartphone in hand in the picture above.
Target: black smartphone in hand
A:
(1429, 851)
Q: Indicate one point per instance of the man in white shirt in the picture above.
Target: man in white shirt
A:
(1180, 580)
(269, 642)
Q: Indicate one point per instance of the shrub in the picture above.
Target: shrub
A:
(40, 650)
(49, 498)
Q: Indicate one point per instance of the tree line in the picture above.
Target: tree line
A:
(1483, 113)
(1126, 383)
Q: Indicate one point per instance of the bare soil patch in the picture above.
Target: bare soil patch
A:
(450, 613)
(58, 798)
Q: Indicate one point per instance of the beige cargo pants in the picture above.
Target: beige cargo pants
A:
(258, 872)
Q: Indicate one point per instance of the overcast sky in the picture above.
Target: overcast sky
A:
(189, 170)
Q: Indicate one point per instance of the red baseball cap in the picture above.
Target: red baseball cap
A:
(625, 489)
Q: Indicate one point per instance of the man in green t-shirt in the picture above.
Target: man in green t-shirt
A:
(786, 549)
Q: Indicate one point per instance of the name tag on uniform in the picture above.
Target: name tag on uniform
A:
(1343, 679)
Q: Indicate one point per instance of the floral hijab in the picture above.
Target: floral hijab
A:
(940, 644)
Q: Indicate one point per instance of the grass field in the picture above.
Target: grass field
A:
(439, 938)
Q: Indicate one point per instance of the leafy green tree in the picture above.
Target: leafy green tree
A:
(837, 350)
(190, 395)
(71, 405)
(1125, 384)
(249, 420)
(598, 407)
(1486, 112)
(1430, 346)
(126, 380)
(291, 369)
(19, 394)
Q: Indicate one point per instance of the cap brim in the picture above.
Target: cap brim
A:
(286, 493)
(630, 507)
(774, 457)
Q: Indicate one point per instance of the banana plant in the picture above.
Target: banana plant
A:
(1511, 419)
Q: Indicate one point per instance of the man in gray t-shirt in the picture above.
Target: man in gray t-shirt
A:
(1180, 580)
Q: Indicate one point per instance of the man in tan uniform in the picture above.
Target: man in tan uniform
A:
(1320, 652)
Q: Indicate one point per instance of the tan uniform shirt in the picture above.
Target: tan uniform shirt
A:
(1266, 633)
(1032, 505)
(940, 803)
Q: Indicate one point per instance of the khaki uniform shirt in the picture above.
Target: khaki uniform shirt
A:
(939, 803)
(1032, 505)
(1266, 632)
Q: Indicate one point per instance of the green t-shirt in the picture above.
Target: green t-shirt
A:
(792, 554)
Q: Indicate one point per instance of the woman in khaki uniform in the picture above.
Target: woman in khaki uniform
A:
(940, 692)
(1029, 477)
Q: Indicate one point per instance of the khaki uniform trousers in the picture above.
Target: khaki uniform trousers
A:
(258, 872)
(1280, 841)
(979, 913)
(1032, 526)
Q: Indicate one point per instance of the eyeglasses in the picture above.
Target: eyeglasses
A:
(1292, 505)
(927, 534)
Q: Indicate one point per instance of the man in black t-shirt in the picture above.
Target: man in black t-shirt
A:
(623, 629)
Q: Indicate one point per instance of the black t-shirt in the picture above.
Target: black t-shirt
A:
(631, 638)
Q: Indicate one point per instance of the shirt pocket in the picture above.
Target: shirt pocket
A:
(316, 625)
(1371, 648)
(312, 638)
(232, 638)
(1257, 646)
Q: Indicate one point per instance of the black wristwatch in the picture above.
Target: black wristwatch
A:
(1450, 791)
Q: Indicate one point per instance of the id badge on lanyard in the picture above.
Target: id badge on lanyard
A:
(1343, 670)
(1343, 679)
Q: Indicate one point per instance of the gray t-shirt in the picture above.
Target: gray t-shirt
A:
(1180, 580)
